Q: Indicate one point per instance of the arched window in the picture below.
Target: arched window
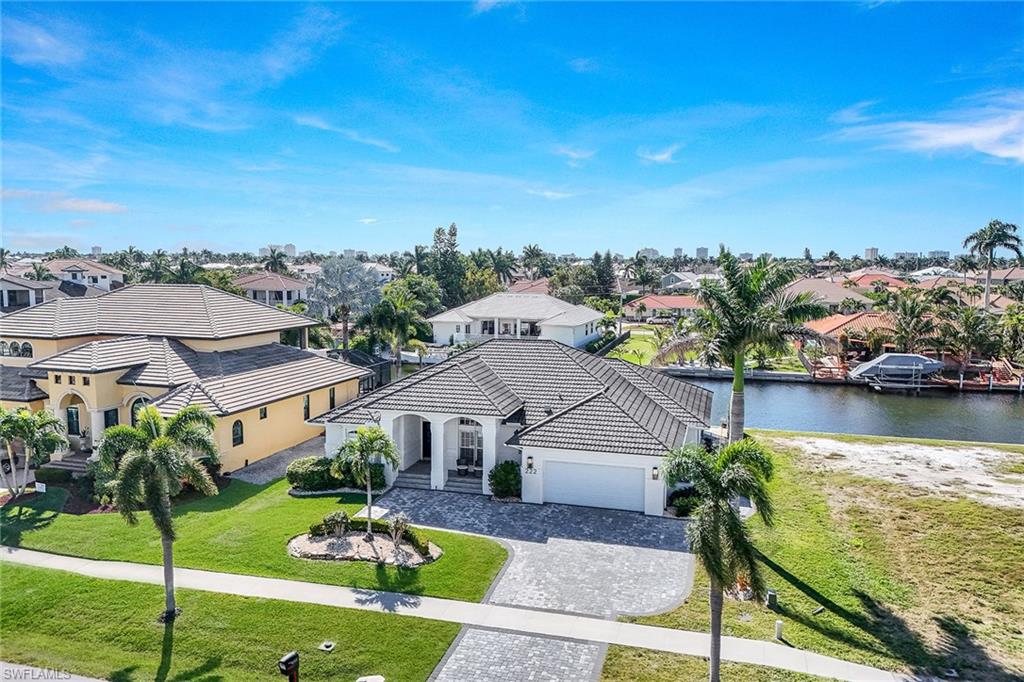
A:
(26, 350)
(15, 350)
(237, 437)
(137, 405)
(4, 348)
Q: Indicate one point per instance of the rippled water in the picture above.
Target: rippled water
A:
(996, 417)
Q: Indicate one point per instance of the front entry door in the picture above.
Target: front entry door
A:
(426, 440)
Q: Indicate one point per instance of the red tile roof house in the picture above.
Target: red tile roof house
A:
(655, 305)
(272, 288)
(866, 282)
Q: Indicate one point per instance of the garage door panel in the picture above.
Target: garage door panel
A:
(594, 485)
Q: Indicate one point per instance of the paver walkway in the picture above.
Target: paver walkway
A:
(276, 465)
(492, 616)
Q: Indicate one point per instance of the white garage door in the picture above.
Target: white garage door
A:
(594, 485)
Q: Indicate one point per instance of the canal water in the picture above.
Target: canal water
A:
(991, 417)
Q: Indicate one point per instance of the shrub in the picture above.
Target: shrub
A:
(685, 500)
(506, 480)
(397, 525)
(49, 476)
(312, 473)
(347, 480)
(337, 522)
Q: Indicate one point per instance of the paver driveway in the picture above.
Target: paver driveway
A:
(564, 558)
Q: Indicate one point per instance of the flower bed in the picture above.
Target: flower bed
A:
(352, 546)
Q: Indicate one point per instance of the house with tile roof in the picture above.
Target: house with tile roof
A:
(84, 271)
(831, 294)
(661, 305)
(94, 361)
(17, 291)
(517, 315)
(583, 429)
(272, 288)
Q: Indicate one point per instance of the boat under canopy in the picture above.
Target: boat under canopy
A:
(896, 367)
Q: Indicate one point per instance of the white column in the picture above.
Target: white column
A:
(3, 297)
(490, 434)
(438, 471)
(95, 430)
(496, 321)
(518, 323)
(387, 424)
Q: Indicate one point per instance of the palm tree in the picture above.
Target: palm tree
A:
(966, 331)
(750, 306)
(965, 263)
(185, 273)
(5, 258)
(533, 257)
(911, 321)
(155, 457)
(65, 252)
(158, 268)
(718, 535)
(39, 273)
(503, 263)
(41, 434)
(395, 318)
(984, 242)
(370, 446)
(421, 256)
(275, 261)
(343, 288)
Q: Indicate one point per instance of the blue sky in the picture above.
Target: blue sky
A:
(576, 126)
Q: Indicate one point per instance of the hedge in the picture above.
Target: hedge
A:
(49, 475)
(314, 473)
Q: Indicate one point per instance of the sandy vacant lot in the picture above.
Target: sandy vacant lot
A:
(978, 472)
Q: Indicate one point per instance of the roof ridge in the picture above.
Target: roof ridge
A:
(561, 412)
(636, 370)
(481, 388)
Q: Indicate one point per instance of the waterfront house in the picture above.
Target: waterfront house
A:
(95, 361)
(661, 305)
(583, 429)
(687, 281)
(517, 315)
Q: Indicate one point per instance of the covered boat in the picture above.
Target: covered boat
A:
(896, 367)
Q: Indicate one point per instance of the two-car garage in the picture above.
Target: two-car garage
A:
(594, 485)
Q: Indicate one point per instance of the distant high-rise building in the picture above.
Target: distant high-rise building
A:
(938, 254)
(702, 252)
(906, 255)
(289, 250)
(677, 252)
(746, 255)
(871, 253)
(349, 253)
(648, 252)
(97, 251)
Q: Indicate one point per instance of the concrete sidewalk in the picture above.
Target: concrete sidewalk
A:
(491, 616)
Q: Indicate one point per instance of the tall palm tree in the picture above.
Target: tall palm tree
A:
(185, 273)
(984, 242)
(41, 433)
(503, 263)
(370, 446)
(749, 306)
(395, 319)
(39, 273)
(65, 252)
(152, 460)
(5, 258)
(911, 321)
(275, 261)
(965, 263)
(532, 258)
(343, 288)
(966, 331)
(718, 535)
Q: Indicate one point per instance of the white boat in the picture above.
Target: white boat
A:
(896, 370)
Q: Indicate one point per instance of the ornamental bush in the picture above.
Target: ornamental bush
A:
(337, 523)
(685, 500)
(53, 476)
(506, 480)
(312, 473)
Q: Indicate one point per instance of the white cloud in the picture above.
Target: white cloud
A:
(73, 205)
(666, 155)
(575, 157)
(367, 221)
(990, 124)
(583, 65)
(319, 123)
(314, 30)
(549, 194)
(855, 113)
(34, 45)
(481, 6)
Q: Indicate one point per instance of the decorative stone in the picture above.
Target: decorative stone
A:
(353, 546)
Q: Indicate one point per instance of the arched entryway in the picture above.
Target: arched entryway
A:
(72, 410)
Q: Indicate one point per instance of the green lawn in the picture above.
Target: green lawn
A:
(108, 629)
(245, 529)
(908, 581)
(645, 343)
(625, 664)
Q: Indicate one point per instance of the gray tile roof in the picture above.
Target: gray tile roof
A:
(513, 305)
(563, 394)
(17, 387)
(269, 281)
(174, 310)
(99, 356)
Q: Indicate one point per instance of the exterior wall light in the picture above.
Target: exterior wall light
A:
(654, 474)
(529, 465)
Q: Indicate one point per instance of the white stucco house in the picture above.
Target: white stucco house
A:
(272, 288)
(518, 315)
(584, 430)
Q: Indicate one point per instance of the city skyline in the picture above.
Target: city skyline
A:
(339, 127)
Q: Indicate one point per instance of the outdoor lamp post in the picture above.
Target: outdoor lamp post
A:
(289, 666)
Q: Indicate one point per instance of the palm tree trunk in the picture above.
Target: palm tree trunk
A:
(24, 474)
(736, 406)
(369, 503)
(344, 330)
(13, 483)
(715, 655)
(170, 608)
(988, 280)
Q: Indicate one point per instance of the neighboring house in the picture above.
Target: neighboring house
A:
(862, 322)
(383, 272)
(828, 293)
(86, 272)
(584, 430)
(380, 369)
(306, 270)
(687, 281)
(533, 316)
(94, 361)
(932, 273)
(530, 286)
(18, 292)
(272, 288)
(867, 281)
(659, 305)
(1002, 276)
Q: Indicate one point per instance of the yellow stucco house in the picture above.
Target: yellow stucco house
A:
(94, 361)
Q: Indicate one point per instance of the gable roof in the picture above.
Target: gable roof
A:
(827, 291)
(530, 286)
(56, 265)
(188, 311)
(514, 305)
(666, 301)
(868, 279)
(599, 403)
(268, 281)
